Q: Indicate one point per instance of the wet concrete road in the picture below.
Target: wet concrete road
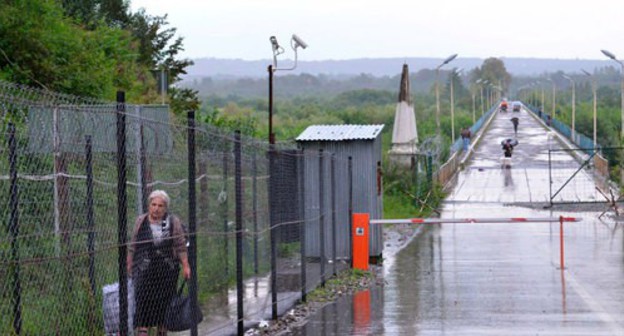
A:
(498, 279)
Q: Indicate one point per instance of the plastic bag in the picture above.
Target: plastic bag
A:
(110, 302)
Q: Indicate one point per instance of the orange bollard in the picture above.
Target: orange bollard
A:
(360, 234)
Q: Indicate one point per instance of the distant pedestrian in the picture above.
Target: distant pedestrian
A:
(507, 149)
(466, 134)
(539, 113)
(548, 120)
(515, 122)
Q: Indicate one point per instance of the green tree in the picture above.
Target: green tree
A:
(493, 70)
(90, 12)
(42, 47)
(159, 49)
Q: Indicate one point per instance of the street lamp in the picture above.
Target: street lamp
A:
(535, 92)
(480, 83)
(594, 94)
(295, 42)
(454, 73)
(543, 102)
(612, 56)
(573, 104)
(437, 90)
(488, 92)
(554, 104)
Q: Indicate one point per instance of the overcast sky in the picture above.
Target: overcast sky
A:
(347, 29)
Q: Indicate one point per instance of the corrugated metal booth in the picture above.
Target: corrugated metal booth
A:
(339, 142)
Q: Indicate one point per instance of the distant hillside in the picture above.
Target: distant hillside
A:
(379, 67)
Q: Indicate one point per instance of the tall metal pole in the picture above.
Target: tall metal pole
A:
(14, 231)
(192, 215)
(452, 109)
(573, 105)
(122, 213)
(296, 42)
(473, 108)
(482, 106)
(543, 100)
(437, 91)
(612, 56)
(573, 109)
(554, 101)
(239, 231)
(595, 112)
(437, 95)
(622, 100)
(271, 136)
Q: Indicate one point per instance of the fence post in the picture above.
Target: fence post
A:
(239, 229)
(350, 178)
(254, 195)
(122, 210)
(224, 209)
(143, 168)
(192, 213)
(302, 225)
(14, 229)
(333, 200)
(321, 217)
(90, 212)
(272, 230)
(429, 169)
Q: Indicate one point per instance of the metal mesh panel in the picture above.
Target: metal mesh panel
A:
(577, 177)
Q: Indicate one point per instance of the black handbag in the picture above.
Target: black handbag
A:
(179, 315)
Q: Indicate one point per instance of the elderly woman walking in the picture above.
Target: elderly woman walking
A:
(157, 249)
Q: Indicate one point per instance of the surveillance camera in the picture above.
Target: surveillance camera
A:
(274, 43)
(299, 42)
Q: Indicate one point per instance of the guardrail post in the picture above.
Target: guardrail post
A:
(561, 247)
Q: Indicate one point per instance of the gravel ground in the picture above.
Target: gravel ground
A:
(346, 283)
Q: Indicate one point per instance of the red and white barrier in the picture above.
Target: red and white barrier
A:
(475, 220)
(361, 224)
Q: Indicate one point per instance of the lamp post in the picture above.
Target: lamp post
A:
(594, 95)
(454, 73)
(543, 102)
(612, 56)
(554, 105)
(295, 43)
(573, 104)
(480, 83)
(474, 107)
(488, 92)
(535, 92)
(437, 90)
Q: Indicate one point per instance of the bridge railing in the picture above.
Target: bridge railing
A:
(579, 139)
(453, 164)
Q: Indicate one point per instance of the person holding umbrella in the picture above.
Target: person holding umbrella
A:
(515, 122)
(508, 146)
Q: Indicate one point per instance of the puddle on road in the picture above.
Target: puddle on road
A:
(355, 314)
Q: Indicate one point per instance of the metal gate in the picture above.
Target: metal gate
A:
(584, 175)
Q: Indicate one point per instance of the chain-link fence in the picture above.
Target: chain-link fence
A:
(76, 175)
